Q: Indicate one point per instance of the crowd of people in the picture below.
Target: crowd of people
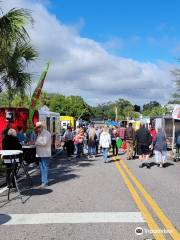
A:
(93, 141)
(145, 142)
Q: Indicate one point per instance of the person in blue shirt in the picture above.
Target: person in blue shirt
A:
(20, 135)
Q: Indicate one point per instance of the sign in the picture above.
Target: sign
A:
(176, 112)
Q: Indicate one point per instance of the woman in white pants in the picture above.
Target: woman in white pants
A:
(160, 148)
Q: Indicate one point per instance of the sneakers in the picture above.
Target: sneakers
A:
(42, 186)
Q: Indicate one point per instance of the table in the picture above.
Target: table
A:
(12, 158)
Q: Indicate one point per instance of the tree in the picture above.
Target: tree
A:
(17, 101)
(176, 96)
(125, 108)
(15, 51)
(137, 108)
(14, 75)
(3, 99)
(150, 105)
(107, 110)
(155, 111)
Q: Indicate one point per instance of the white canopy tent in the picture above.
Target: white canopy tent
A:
(175, 116)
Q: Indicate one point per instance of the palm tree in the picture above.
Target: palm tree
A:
(14, 74)
(12, 27)
(15, 51)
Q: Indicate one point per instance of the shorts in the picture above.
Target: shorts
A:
(143, 150)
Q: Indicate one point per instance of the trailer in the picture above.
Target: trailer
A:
(51, 121)
(14, 117)
(170, 125)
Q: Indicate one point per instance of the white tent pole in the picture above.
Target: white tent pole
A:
(173, 134)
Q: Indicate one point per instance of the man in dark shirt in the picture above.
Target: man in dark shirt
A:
(143, 139)
(129, 137)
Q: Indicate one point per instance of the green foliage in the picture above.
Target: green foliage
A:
(176, 95)
(12, 28)
(107, 110)
(15, 52)
(72, 105)
(14, 76)
(4, 99)
(17, 100)
(155, 111)
(151, 105)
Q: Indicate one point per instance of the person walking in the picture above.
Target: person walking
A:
(43, 151)
(105, 142)
(177, 142)
(69, 144)
(153, 136)
(91, 136)
(78, 141)
(113, 141)
(130, 139)
(160, 148)
(121, 132)
(98, 132)
(143, 139)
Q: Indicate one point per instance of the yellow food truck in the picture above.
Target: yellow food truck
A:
(67, 121)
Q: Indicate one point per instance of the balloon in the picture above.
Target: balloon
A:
(118, 142)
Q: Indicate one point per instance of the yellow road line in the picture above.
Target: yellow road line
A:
(161, 215)
(146, 214)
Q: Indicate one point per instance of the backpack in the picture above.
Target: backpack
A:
(178, 140)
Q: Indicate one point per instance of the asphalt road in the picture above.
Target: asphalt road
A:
(88, 199)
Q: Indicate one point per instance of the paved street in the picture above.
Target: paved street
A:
(87, 199)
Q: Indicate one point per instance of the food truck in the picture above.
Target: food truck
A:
(51, 121)
(14, 117)
(67, 121)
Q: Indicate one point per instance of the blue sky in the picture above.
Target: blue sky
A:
(145, 30)
(106, 49)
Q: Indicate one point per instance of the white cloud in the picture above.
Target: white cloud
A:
(83, 66)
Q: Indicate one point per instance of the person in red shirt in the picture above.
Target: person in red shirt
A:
(153, 138)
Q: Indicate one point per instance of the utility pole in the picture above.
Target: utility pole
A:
(116, 113)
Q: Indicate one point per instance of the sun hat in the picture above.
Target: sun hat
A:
(38, 125)
(12, 132)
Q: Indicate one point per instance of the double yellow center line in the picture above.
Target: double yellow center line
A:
(155, 229)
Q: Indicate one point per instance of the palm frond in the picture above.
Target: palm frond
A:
(12, 26)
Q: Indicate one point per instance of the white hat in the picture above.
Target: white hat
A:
(12, 132)
(38, 125)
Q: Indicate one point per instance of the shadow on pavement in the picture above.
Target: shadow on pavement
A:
(62, 169)
(152, 164)
(34, 192)
(168, 164)
(4, 218)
